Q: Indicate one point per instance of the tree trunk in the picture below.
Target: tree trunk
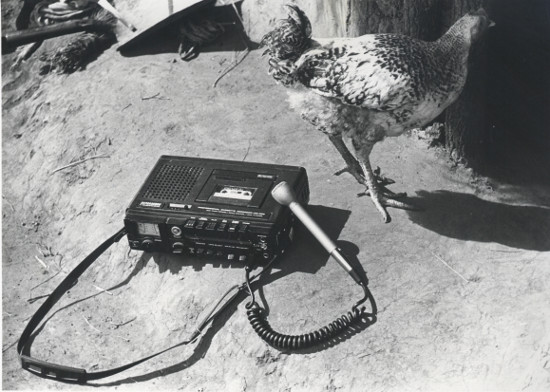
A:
(424, 19)
(465, 121)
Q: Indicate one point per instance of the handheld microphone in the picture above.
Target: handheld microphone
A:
(283, 194)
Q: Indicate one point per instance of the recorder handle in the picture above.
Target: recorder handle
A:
(283, 194)
(76, 375)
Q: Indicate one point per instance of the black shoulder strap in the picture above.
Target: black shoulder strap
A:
(66, 373)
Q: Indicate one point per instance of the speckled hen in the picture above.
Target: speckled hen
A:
(370, 87)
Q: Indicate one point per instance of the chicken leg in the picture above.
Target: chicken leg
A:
(380, 196)
(355, 169)
(353, 166)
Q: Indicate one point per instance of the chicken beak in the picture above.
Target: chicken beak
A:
(491, 23)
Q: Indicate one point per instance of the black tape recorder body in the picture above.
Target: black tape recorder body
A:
(214, 208)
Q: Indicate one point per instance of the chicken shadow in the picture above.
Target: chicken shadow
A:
(467, 217)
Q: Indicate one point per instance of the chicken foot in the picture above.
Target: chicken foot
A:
(381, 200)
(354, 168)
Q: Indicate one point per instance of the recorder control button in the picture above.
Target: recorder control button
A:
(190, 224)
(242, 228)
(211, 226)
(242, 258)
(230, 256)
(222, 226)
(232, 228)
(200, 225)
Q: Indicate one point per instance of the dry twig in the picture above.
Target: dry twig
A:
(247, 150)
(231, 67)
(80, 161)
(154, 96)
(41, 262)
(100, 331)
(123, 323)
(151, 97)
(448, 266)
(9, 346)
(91, 326)
(34, 299)
(247, 51)
(102, 290)
(46, 281)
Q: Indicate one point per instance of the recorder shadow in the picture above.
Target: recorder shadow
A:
(304, 255)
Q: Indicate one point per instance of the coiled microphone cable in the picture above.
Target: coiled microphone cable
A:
(258, 320)
(284, 195)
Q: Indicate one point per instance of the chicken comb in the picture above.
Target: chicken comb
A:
(299, 16)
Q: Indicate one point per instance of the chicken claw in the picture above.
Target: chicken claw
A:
(357, 173)
(380, 195)
(381, 201)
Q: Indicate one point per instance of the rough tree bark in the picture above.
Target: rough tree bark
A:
(424, 19)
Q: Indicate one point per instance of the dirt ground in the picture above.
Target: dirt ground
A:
(462, 288)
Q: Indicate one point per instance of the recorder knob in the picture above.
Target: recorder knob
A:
(147, 243)
(176, 231)
(177, 247)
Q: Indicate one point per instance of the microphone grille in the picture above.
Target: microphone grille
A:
(283, 193)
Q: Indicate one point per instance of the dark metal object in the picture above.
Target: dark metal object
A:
(158, 15)
(11, 40)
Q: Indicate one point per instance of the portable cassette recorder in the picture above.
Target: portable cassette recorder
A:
(214, 208)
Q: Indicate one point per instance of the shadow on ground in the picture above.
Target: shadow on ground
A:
(467, 217)
(305, 255)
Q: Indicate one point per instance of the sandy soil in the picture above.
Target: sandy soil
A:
(462, 288)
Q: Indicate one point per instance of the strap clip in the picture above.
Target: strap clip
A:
(52, 370)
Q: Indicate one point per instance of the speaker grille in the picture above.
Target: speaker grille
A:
(172, 182)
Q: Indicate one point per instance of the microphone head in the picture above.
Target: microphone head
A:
(283, 193)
